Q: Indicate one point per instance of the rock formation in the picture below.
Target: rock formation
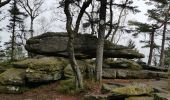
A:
(55, 44)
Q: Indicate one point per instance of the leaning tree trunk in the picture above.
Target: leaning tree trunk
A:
(151, 48)
(74, 65)
(162, 56)
(100, 45)
(71, 34)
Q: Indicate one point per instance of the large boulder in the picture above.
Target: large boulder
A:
(55, 44)
(13, 76)
(44, 69)
(87, 69)
(12, 81)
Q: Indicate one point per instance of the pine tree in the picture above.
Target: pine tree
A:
(151, 30)
(15, 17)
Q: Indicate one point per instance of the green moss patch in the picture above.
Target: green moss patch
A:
(43, 64)
(134, 90)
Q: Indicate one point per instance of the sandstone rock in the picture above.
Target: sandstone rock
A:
(109, 73)
(35, 76)
(48, 64)
(55, 44)
(139, 98)
(133, 90)
(106, 88)
(45, 69)
(86, 68)
(12, 89)
(141, 74)
(2, 69)
(13, 76)
(95, 97)
(162, 96)
(123, 64)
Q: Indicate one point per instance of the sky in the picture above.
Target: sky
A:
(58, 26)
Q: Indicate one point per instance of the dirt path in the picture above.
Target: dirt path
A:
(47, 92)
(42, 93)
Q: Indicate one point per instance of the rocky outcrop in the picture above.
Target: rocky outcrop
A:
(55, 44)
(162, 96)
(12, 81)
(13, 76)
(37, 71)
(43, 69)
(109, 73)
(87, 69)
(122, 64)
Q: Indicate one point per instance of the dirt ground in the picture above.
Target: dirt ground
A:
(47, 92)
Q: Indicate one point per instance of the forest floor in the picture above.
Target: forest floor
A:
(46, 92)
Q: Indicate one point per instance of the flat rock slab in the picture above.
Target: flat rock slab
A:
(133, 90)
(139, 98)
(55, 44)
(110, 73)
(162, 96)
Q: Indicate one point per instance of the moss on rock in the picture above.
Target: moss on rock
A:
(13, 76)
(43, 64)
(134, 90)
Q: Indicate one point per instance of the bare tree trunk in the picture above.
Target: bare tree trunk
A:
(31, 55)
(100, 45)
(118, 25)
(74, 65)
(111, 20)
(31, 27)
(162, 56)
(13, 42)
(71, 34)
(151, 47)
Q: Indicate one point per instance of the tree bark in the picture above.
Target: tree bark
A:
(76, 70)
(13, 37)
(162, 56)
(151, 47)
(31, 55)
(111, 20)
(31, 27)
(100, 45)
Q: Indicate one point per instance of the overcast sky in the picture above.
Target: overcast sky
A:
(60, 26)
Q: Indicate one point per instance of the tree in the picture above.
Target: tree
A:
(33, 9)
(15, 18)
(161, 14)
(125, 6)
(71, 33)
(147, 28)
(3, 3)
(101, 38)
